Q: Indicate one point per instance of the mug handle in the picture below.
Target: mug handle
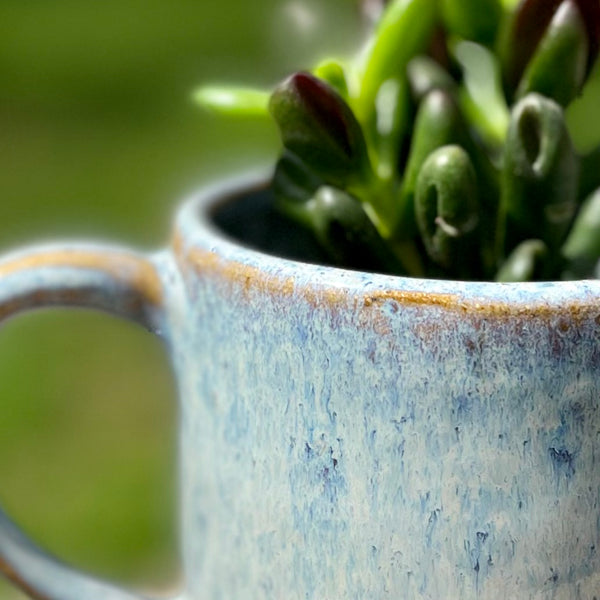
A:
(101, 277)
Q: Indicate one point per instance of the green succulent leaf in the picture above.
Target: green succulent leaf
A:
(438, 122)
(529, 261)
(482, 97)
(589, 178)
(234, 101)
(404, 31)
(476, 20)
(582, 246)
(447, 209)
(540, 174)
(558, 66)
(529, 29)
(528, 23)
(441, 148)
(393, 114)
(319, 127)
(293, 181)
(425, 74)
(332, 72)
(345, 231)
(590, 12)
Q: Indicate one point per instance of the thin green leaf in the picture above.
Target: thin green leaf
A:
(558, 66)
(403, 32)
(234, 101)
(425, 74)
(333, 73)
(528, 23)
(481, 95)
(529, 261)
(582, 246)
(393, 114)
(476, 20)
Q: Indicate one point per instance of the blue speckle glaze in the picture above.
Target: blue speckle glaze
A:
(393, 447)
(351, 436)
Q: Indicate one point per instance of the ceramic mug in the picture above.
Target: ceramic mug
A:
(348, 435)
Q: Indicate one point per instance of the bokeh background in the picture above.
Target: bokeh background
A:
(99, 139)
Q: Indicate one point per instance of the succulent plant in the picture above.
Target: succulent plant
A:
(442, 148)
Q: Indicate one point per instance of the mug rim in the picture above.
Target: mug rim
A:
(196, 232)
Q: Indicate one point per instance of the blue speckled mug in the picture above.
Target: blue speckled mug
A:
(346, 435)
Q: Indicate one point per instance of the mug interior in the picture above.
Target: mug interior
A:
(236, 221)
(251, 219)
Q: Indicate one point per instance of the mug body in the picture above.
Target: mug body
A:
(347, 435)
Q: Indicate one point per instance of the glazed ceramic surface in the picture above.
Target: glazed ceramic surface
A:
(347, 435)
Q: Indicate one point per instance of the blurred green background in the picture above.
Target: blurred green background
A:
(99, 139)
